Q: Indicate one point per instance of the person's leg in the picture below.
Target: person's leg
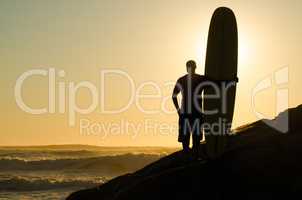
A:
(183, 135)
(196, 144)
(185, 145)
(196, 135)
(186, 140)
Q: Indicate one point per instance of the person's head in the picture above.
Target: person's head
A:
(191, 66)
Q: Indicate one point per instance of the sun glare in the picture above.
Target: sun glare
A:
(243, 49)
(244, 52)
(201, 47)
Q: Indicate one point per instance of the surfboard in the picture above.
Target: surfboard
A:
(220, 65)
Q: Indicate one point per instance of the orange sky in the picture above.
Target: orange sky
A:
(150, 41)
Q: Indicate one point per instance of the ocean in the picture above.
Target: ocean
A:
(53, 172)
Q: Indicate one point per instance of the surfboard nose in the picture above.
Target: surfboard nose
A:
(223, 11)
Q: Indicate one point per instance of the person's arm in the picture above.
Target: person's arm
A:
(176, 91)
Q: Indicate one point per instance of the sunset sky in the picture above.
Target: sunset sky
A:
(148, 40)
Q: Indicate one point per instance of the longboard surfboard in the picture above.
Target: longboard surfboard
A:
(221, 64)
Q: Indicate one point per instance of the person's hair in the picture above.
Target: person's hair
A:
(191, 64)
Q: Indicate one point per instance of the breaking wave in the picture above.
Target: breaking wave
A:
(117, 163)
(38, 184)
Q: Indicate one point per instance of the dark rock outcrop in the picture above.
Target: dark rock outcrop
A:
(260, 163)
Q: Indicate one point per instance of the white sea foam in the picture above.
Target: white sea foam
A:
(53, 172)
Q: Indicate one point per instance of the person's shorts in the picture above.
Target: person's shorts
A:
(188, 125)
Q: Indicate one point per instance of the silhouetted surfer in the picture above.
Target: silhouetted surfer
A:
(190, 115)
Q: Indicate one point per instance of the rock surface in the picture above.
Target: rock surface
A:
(260, 163)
